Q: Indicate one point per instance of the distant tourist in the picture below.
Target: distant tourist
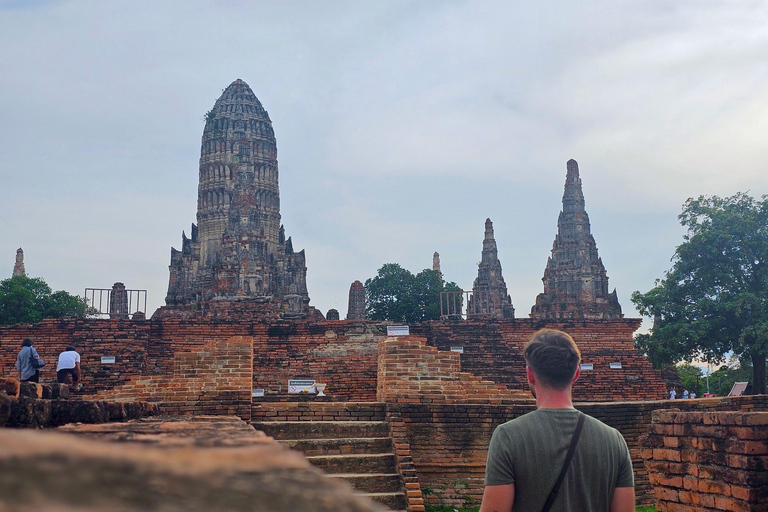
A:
(527, 454)
(685, 394)
(672, 394)
(692, 395)
(68, 367)
(29, 362)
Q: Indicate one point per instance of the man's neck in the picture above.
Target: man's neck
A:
(554, 399)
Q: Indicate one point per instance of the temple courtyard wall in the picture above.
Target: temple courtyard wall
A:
(342, 354)
(443, 389)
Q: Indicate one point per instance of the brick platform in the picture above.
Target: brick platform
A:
(699, 461)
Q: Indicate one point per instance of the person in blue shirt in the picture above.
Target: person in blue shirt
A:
(28, 370)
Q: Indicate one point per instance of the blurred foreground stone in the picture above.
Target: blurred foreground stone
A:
(160, 464)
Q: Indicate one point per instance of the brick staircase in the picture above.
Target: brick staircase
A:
(350, 441)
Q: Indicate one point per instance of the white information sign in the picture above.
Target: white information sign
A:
(107, 359)
(460, 350)
(398, 330)
(587, 366)
(257, 393)
(615, 366)
(296, 386)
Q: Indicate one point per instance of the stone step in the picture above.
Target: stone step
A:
(322, 429)
(342, 446)
(392, 500)
(376, 463)
(371, 482)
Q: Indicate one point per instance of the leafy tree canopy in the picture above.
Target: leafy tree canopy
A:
(692, 377)
(397, 295)
(721, 381)
(29, 299)
(714, 299)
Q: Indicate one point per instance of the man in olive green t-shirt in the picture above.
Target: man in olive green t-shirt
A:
(526, 454)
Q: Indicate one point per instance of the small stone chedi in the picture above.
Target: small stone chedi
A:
(18, 267)
(238, 249)
(356, 305)
(575, 282)
(436, 262)
(489, 291)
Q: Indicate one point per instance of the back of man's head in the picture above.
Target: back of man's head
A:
(553, 356)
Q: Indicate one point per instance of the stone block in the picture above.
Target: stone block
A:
(70, 411)
(31, 390)
(22, 412)
(5, 408)
(10, 386)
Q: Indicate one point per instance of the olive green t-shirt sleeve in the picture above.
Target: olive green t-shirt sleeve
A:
(499, 467)
(626, 477)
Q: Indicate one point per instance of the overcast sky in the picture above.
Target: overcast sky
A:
(401, 126)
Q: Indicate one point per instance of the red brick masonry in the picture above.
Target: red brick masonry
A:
(708, 460)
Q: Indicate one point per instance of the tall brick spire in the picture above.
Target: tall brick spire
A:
(489, 291)
(575, 282)
(238, 248)
(18, 267)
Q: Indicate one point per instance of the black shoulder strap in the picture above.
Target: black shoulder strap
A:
(568, 457)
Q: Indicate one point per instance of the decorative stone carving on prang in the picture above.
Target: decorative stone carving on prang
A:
(575, 281)
(238, 250)
(489, 292)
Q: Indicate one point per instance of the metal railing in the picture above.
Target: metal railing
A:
(452, 304)
(115, 303)
(463, 305)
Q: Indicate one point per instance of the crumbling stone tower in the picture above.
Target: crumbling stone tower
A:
(489, 291)
(575, 282)
(238, 248)
(356, 304)
(18, 267)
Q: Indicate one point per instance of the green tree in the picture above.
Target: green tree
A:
(692, 377)
(735, 370)
(28, 300)
(397, 295)
(714, 299)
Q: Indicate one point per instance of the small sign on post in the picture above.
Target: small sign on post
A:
(398, 330)
(305, 386)
(460, 350)
(615, 366)
(587, 366)
(107, 359)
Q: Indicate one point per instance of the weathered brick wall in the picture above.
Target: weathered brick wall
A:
(318, 411)
(212, 379)
(126, 340)
(343, 354)
(409, 371)
(708, 460)
(449, 442)
(493, 350)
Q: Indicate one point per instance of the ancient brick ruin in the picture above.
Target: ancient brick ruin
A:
(356, 307)
(18, 267)
(238, 249)
(489, 292)
(575, 282)
(405, 419)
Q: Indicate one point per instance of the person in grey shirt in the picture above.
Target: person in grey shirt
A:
(27, 370)
(527, 454)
